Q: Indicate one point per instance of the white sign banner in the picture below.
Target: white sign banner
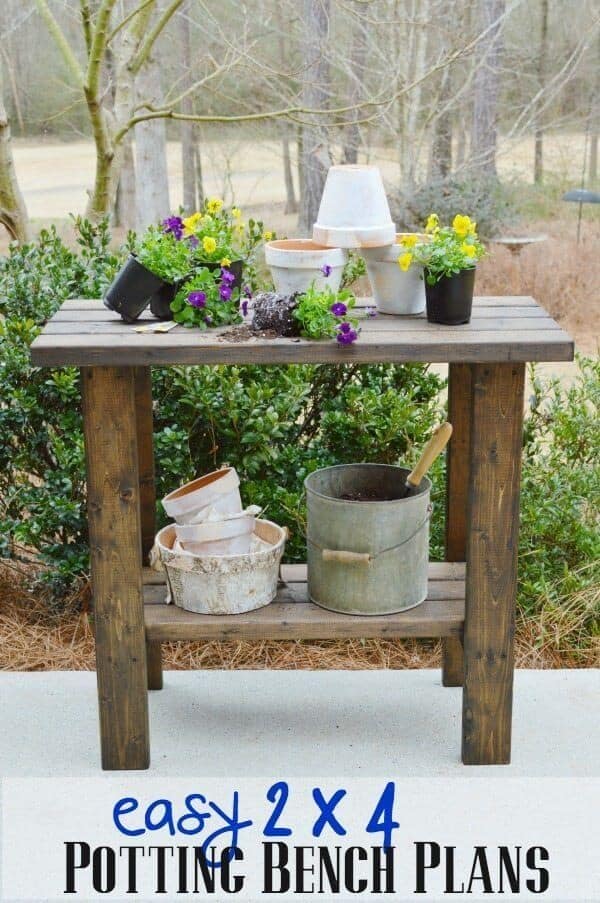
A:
(127, 837)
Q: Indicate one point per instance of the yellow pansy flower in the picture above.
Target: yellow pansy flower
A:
(239, 227)
(267, 235)
(209, 244)
(432, 222)
(409, 241)
(462, 225)
(236, 212)
(191, 222)
(213, 205)
(404, 261)
(226, 262)
(468, 250)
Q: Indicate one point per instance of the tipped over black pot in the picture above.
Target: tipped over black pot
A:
(160, 303)
(131, 290)
(450, 300)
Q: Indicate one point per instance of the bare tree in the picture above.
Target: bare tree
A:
(152, 174)
(487, 85)
(358, 53)
(538, 165)
(315, 95)
(187, 129)
(13, 213)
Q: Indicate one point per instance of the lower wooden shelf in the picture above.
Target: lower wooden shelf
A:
(291, 616)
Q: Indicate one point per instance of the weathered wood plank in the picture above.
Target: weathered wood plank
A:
(145, 446)
(369, 326)
(444, 344)
(115, 547)
(302, 620)
(155, 670)
(457, 483)
(496, 438)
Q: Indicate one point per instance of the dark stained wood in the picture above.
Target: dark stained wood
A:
(457, 482)
(496, 439)
(499, 331)
(115, 549)
(155, 671)
(293, 616)
(144, 428)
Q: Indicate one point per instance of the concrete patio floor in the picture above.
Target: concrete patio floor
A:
(359, 724)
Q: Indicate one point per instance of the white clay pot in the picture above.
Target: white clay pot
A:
(218, 491)
(296, 262)
(354, 211)
(225, 537)
(224, 584)
(395, 291)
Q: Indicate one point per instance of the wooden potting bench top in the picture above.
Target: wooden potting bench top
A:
(471, 597)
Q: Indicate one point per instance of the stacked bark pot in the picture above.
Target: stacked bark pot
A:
(219, 558)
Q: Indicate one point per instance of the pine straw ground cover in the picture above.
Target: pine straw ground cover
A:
(30, 640)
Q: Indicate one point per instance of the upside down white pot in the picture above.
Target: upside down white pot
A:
(296, 262)
(218, 491)
(395, 291)
(354, 211)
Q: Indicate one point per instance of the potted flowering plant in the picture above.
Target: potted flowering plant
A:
(323, 313)
(158, 260)
(208, 298)
(449, 258)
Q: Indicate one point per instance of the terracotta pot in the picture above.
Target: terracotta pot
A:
(395, 291)
(225, 537)
(450, 300)
(218, 490)
(354, 211)
(297, 262)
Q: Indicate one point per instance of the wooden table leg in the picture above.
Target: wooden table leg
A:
(109, 417)
(457, 486)
(155, 671)
(145, 433)
(492, 545)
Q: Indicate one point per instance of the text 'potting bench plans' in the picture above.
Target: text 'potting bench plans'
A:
(470, 606)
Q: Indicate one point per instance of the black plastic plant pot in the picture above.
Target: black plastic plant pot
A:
(160, 303)
(450, 300)
(131, 290)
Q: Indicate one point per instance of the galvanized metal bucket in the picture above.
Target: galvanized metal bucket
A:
(366, 557)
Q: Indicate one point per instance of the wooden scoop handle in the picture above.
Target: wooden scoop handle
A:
(343, 557)
(436, 444)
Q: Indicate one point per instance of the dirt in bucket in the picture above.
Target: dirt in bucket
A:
(366, 495)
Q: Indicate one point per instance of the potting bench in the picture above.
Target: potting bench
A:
(471, 607)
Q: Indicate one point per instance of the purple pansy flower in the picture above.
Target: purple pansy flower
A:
(225, 292)
(247, 291)
(244, 308)
(197, 299)
(326, 269)
(346, 334)
(371, 311)
(174, 225)
(227, 276)
(338, 309)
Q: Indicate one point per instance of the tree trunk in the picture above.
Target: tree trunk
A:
(291, 204)
(316, 157)
(13, 213)
(152, 178)
(487, 85)
(441, 142)
(351, 136)
(199, 179)
(125, 203)
(187, 129)
(538, 164)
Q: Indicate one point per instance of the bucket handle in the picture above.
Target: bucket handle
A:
(343, 557)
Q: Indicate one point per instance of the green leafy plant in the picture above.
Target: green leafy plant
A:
(164, 254)
(447, 250)
(323, 313)
(217, 234)
(354, 268)
(207, 299)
